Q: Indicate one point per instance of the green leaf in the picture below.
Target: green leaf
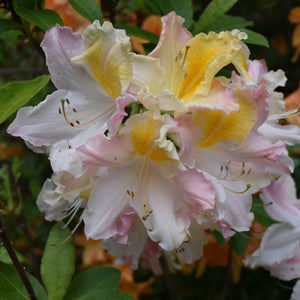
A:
(16, 94)
(136, 31)
(12, 287)
(260, 214)
(212, 13)
(58, 262)
(93, 279)
(153, 7)
(218, 236)
(28, 4)
(182, 8)
(89, 9)
(5, 258)
(44, 18)
(6, 24)
(106, 295)
(240, 242)
(255, 38)
(227, 22)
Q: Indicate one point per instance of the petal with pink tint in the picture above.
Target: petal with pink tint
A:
(289, 134)
(235, 210)
(108, 200)
(198, 190)
(60, 46)
(289, 269)
(52, 120)
(100, 150)
(279, 243)
(158, 203)
(280, 200)
(173, 38)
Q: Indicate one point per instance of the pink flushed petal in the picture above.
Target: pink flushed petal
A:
(133, 250)
(161, 213)
(289, 134)
(198, 190)
(173, 37)
(289, 269)
(235, 210)
(60, 46)
(279, 204)
(115, 121)
(225, 228)
(279, 243)
(109, 198)
(122, 226)
(219, 97)
(191, 250)
(39, 125)
(102, 151)
(45, 124)
(255, 93)
(264, 154)
(256, 69)
(188, 136)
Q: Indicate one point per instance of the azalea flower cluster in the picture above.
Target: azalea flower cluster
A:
(157, 149)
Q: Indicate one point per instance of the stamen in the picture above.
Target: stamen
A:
(227, 176)
(187, 47)
(142, 185)
(78, 124)
(235, 192)
(69, 235)
(73, 211)
(263, 204)
(287, 114)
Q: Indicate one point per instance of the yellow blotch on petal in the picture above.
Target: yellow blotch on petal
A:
(143, 136)
(108, 57)
(205, 55)
(216, 126)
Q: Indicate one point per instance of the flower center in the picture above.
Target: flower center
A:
(144, 136)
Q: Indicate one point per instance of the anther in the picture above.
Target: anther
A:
(263, 205)
(74, 109)
(187, 47)
(248, 186)
(67, 100)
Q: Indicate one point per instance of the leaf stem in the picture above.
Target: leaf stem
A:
(22, 220)
(167, 278)
(228, 275)
(16, 262)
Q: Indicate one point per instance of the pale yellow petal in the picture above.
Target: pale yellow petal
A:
(205, 55)
(216, 126)
(108, 57)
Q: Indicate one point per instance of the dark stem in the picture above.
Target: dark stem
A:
(167, 277)
(25, 28)
(16, 263)
(228, 275)
(22, 221)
